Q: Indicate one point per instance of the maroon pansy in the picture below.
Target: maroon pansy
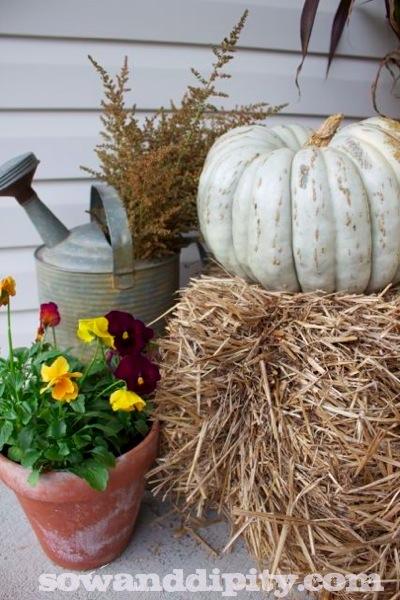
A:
(49, 315)
(139, 373)
(130, 335)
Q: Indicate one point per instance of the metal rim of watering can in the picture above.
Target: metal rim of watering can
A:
(139, 265)
(105, 197)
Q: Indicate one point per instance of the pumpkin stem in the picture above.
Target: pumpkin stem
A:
(325, 133)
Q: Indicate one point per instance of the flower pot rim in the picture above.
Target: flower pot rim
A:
(56, 486)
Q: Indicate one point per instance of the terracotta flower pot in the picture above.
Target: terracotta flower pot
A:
(78, 527)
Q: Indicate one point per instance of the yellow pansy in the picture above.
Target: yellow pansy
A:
(7, 289)
(90, 329)
(59, 379)
(126, 401)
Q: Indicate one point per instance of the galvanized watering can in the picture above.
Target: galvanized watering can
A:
(90, 270)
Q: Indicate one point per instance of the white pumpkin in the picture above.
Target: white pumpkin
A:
(298, 213)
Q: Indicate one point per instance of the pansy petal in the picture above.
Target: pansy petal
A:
(60, 367)
(84, 331)
(130, 335)
(139, 373)
(75, 374)
(7, 289)
(89, 329)
(47, 387)
(100, 329)
(69, 396)
(49, 315)
(126, 401)
(62, 388)
(46, 373)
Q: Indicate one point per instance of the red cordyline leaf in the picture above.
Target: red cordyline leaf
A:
(339, 21)
(308, 14)
(390, 62)
(393, 14)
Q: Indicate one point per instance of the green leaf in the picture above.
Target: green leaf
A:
(25, 438)
(53, 454)
(75, 457)
(63, 448)
(10, 414)
(96, 368)
(14, 453)
(78, 405)
(99, 414)
(26, 410)
(103, 456)
(21, 352)
(80, 441)
(43, 357)
(57, 429)
(112, 428)
(29, 458)
(100, 441)
(19, 380)
(34, 477)
(142, 427)
(5, 433)
(94, 473)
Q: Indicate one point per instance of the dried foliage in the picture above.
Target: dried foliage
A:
(390, 62)
(283, 410)
(155, 166)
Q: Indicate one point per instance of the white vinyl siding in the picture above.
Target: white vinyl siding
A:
(50, 93)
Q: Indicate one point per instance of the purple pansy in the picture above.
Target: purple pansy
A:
(130, 335)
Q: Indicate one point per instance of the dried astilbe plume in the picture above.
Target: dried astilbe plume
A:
(155, 166)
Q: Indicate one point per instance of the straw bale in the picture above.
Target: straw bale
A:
(283, 412)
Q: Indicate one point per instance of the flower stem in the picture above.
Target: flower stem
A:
(54, 337)
(104, 354)
(90, 365)
(116, 384)
(11, 351)
(10, 341)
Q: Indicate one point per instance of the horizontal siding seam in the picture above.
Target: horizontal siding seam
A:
(186, 45)
(349, 115)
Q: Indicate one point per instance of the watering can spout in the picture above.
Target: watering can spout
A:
(16, 178)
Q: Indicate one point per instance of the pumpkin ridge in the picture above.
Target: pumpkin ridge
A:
(346, 200)
(372, 286)
(270, 255)
(235, 201)
(291, 222)
(394, 140)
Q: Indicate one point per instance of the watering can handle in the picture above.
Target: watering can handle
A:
(104, 197)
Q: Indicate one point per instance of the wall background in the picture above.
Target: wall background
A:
(50, 94)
